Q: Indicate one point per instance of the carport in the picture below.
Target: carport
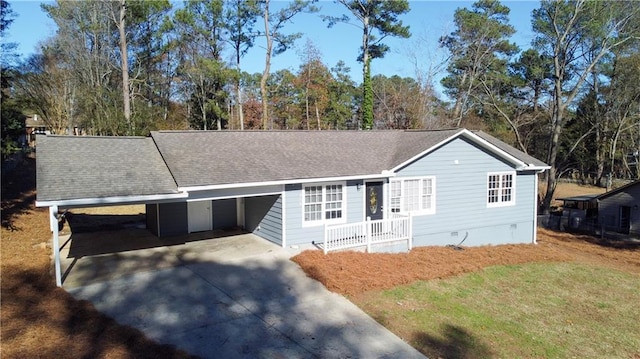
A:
(77, 172)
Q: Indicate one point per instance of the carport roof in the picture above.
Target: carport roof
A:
(79, 167)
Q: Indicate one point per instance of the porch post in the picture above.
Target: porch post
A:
(53, 221)
(324, 244)
(368, 233)
(410, 221)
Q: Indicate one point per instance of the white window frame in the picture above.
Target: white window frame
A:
(323, 204)
(501, 189)
(404, 199)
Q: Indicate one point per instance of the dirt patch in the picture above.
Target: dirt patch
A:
(352, 273)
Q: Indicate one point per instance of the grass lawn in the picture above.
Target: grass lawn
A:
(535, 310)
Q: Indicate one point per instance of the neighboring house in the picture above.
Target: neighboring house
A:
(618, 210)
(34, 125)
(290, 186)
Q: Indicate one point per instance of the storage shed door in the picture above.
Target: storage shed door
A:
(199, 216)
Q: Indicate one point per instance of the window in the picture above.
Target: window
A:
(500, 189)
(412, 195)
(324, 204)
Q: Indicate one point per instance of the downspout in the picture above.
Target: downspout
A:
(53, 222)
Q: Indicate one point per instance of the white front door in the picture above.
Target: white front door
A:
(199, 215)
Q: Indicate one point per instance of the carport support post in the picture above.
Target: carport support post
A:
(53, 221)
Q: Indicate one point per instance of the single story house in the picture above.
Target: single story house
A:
(293, 187)
(619, 209)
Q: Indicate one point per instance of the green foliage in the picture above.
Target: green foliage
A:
(479, 49)
(342, 92)
(367, 101)
(12, 127)
(375, 17)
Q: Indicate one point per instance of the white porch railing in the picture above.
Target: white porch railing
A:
(359, 234)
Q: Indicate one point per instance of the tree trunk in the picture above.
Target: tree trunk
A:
(126, 96)
(367, 101)
(267, 68)
(556, 129)
(239, 99)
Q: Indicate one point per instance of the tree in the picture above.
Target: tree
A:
(510, 100)
(479, 48)
(286, 98)
(119, 18)
(202, 72)
(273, 34)
(576, 36)
(151, 62)
(84, 44)
(398, 102)
(49, 90)
(314, 79)
(342, 98)
(240, 17)
(12, 118)
(378, 16)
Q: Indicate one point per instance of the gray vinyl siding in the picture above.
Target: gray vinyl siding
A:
(263, 217)
(297, 234)
(460, 169)
(224, 213)
(173, 219)
(609, 209)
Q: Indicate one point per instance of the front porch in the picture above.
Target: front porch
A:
(393, 233)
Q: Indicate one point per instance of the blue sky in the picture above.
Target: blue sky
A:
(428, 21)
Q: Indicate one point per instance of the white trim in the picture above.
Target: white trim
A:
(283, 215)
(323, 209)
(55, 239)
(420, 212)
(500, 203)
(385, 174)
(112, 200)
(214, 198)
(535, 210)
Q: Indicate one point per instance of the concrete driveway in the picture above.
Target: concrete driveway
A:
(234, 297)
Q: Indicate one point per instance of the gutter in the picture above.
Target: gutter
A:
(112, 200)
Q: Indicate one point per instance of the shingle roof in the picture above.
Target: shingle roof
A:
(510, 150)
(619, 189)
(73, 167)
(199, 158)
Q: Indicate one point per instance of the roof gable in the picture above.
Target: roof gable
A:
(619, 189)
